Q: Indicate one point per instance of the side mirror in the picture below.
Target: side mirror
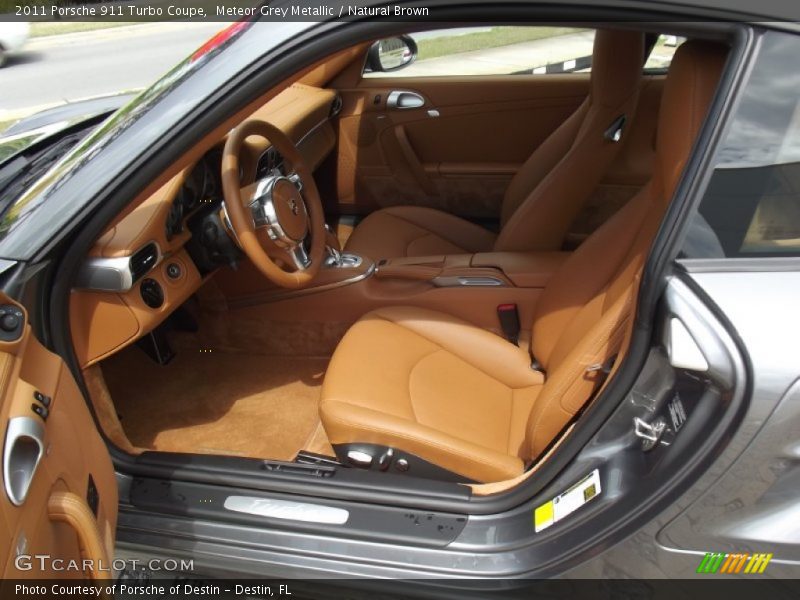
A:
(391, 54)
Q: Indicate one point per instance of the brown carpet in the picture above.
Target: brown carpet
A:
(217, 403)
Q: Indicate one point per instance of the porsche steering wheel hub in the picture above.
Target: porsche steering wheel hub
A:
(278, 205)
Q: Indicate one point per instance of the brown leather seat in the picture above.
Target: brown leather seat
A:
(549, 190)
(442, 390)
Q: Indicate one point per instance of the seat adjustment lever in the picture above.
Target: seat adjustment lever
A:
(359, 459)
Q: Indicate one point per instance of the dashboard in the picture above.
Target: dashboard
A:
(166, 244)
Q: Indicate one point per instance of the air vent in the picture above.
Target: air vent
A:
(268, 162)
(144, 260)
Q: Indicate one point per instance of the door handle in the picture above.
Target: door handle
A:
(69, 508)
(402, 99)
(22, 451)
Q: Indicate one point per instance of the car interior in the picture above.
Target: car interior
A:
(394, 264)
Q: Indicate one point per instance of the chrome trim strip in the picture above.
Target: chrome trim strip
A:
(287, 509)
(6, 264)
(312, 131)
(299, 142)
(740, 265)
(468, 281)
(111, 274)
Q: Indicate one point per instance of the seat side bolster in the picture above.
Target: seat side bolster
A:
(572, 384)
(347, 423)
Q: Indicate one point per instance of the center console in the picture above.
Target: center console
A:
(486, 269)
(469, 286)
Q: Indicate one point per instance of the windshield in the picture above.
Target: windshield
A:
(73, 158)
(20, 171)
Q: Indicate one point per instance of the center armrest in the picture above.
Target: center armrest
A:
(486, 269)
(524, 269)
(421, 268)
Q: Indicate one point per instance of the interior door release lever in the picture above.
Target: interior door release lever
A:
(22, 451)
(404, 99)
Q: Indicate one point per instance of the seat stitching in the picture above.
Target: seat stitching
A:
(408, 380)
(510, 420)
(577, 369)
(414, 366)
(427, 232)
(411, 402)
(433, 235)
(514, 225)
(466, 362)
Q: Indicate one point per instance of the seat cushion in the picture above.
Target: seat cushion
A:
(403, 231)
(434, 386)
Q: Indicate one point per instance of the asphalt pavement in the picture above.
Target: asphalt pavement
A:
(57, 69)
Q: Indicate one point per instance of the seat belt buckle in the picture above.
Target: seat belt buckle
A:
(509, 322)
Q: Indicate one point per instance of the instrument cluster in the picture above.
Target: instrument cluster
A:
(202, 186)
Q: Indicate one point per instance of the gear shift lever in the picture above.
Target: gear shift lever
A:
(333, 258)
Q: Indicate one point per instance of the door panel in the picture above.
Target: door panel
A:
(70, 509)
(485, 127)
(460, 157)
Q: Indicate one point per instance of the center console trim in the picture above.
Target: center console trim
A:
(468, 281)
(284, 294)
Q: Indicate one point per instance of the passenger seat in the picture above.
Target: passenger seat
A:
(548, 191)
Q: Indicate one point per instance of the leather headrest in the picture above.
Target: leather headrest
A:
(617, 61)
(688, 91)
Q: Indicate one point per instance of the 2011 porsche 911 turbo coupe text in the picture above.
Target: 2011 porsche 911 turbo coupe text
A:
(511, 294)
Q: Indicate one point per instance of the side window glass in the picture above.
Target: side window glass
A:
(504, 50)
(661, 55)
(752, 205)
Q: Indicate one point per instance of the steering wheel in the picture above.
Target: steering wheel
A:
(271, 219)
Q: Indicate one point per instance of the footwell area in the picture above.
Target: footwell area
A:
(217, 403)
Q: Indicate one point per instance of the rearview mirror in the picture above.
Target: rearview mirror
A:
(391, 54)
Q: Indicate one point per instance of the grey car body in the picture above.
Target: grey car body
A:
(726, 482)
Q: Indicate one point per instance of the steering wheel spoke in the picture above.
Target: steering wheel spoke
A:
(296, 180)
(301, 259)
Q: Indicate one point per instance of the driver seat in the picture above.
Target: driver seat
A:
(421, 391)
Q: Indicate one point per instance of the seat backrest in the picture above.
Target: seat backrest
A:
(550, 189)
(583, 313)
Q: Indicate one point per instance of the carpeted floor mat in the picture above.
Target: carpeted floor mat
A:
(217, 403)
